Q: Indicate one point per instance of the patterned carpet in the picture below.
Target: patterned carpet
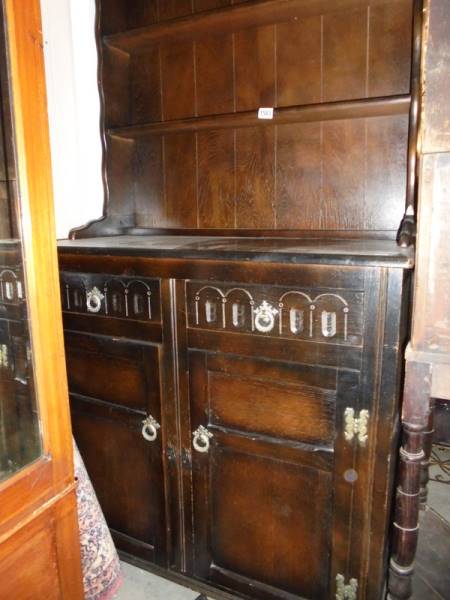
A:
(102, 574)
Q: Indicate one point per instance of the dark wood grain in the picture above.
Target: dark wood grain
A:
(377, 107)
(178, 88)
(233, 18)
(390, 32)
(299, 176)
(180, 180)
(145, 87)
(216, 180)
(344, 55)
(407, 229)
(303, 413)
(255, 178)
(385, 170)
(255, 68)
(220, 494)
(119, 159)
(206, 67)
(89, 363)
(116, 100)
(107, 419)
(170, 9)
(209, 4)
(343, 175)
(299, 68)
(149, 164)
(275, 408)
(214, 75)
(118, 15)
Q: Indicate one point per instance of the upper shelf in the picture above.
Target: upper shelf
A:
(328, 111)
(233, 18)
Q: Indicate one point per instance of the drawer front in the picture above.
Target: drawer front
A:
(316, 315)
(131, 298)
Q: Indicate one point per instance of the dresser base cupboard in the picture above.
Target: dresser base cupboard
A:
(239, 417)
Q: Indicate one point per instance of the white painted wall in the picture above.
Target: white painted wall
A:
(73, 107)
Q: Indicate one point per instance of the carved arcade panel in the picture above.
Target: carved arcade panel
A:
(333, 316)
(108, 295)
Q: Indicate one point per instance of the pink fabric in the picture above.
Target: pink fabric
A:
(102, 575)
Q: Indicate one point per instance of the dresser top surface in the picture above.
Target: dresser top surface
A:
(285, 250)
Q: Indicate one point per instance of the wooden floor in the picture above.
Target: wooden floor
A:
(432, 572)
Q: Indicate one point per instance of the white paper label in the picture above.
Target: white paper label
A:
(265, 113)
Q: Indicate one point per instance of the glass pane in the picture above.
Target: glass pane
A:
(20, 439)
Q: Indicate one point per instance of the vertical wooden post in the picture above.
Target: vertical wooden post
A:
(407, 231)
(415, 419)
(424, 467)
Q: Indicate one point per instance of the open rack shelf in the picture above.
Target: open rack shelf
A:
(328, 111)
(228, 19)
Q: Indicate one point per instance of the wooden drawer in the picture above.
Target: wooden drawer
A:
(318, 315)
(127, 298)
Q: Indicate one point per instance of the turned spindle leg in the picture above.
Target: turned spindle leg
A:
(424, 468)
(415, 419)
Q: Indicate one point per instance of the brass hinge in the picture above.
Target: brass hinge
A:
(346, 591)
(356, 425)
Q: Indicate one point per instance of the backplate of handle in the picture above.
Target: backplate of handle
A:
(201, 439)
(150, 428)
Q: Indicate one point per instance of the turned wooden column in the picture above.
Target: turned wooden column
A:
(415, 420)
(425, 464)
(427, 374)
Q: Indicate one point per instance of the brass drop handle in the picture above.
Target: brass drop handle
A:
(201, 437)
(150, 428)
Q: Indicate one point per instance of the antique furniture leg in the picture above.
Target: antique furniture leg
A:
(424, 468)
(415, 419)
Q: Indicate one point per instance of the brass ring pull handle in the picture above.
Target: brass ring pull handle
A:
(265, 317)
(201, 437)
(150, 428)
(94, 299)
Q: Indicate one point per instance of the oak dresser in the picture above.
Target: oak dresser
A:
(235, 323)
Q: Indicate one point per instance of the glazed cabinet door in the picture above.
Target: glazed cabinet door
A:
(272, 506)
(116, 411)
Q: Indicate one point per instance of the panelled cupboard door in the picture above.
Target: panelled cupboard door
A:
(114, 390)
(272, 511)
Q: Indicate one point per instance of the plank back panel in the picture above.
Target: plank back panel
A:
(335, 175)
(325, 175)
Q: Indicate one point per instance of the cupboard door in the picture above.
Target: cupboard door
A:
(271, 505)
(114, 386)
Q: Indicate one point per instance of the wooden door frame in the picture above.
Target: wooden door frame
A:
(40, 487)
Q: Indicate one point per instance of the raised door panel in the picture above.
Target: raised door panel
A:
(29, 563)
(271, 515)
(114, 386)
